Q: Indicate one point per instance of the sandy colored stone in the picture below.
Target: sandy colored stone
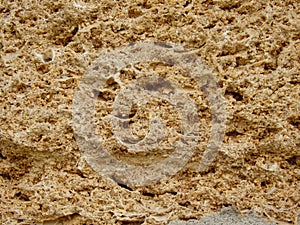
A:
(253, 49)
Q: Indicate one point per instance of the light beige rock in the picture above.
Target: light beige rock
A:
(253, 49)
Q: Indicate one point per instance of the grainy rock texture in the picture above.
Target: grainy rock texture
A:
(226, 216)
(253, 49)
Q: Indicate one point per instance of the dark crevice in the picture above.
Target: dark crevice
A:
(292, 160)
(209, 170)
(233, 133)
(69, 37)
(5, 176)
(294, 121)
(22, 196)
(237, 96)
(226, 205)
(210, 26)
(263, 183)
(294, 82)
(187, 3)
(148, 194)
(242, 177)
(125, 186)
(184, 204)
(2, 156)
(77, 172)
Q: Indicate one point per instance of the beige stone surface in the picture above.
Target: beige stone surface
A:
(253, 49)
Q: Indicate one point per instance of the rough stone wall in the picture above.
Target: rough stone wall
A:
(253, 49)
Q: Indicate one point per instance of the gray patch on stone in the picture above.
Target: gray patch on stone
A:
(227, 216)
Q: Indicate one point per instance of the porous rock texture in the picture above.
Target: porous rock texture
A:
(253, 49)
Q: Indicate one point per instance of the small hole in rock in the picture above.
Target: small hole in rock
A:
(2, 156)
(292, 160)
(237, 96)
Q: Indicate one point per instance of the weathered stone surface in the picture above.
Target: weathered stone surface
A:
(226, 216)
(253, 49)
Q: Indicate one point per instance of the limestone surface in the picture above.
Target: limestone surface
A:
(47, 47)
